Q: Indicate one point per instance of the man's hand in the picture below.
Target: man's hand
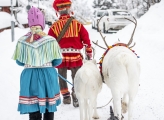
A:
(89, 56)
(89, 52)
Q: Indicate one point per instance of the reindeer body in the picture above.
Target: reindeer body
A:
(88, 84)
(121, 72)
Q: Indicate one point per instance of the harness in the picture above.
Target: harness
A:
(110, 47)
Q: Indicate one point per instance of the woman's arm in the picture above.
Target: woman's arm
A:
(19, 63)
(56, 62)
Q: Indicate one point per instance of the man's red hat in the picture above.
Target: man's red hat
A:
(61, 4)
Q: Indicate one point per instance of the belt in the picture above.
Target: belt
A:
(70, 50)
(49, 64)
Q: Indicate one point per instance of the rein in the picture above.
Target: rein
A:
(105, 104)
(64, 79)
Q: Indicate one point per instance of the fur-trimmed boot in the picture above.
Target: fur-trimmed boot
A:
(35, 116)
(48, 115)
(63, 86)
(67, 100)
(74, 99)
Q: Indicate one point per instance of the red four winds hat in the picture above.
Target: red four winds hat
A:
(61, 4)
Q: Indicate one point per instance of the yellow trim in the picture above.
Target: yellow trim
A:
(54, 31)
(63, 91)
(79, 27)
(57, 29)
(76, 30)
(60, 26)
(72, 30)
(72, 59)
(63, 3)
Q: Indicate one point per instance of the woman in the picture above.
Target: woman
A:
(38, 53)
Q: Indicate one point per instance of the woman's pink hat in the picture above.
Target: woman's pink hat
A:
(36, 17)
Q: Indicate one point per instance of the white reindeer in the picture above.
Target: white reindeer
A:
(121, 71)
(87, 85)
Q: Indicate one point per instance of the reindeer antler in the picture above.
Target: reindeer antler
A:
(132, 45)
(93, 52)
(98, 21)
(131, 39)
(96, 43)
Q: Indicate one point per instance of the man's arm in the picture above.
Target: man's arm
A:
(86, 41)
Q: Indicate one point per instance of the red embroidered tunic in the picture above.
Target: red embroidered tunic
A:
(75, 37)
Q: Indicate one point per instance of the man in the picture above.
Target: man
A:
(73, 40)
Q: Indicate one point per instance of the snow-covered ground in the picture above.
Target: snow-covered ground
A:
(5, 21)
(149, 38)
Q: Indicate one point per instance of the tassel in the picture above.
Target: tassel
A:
(32, 38)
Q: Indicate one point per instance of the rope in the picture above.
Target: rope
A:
(64, 79)
(105, 105)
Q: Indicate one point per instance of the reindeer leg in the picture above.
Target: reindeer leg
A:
(90, 109)
(130, 108)
(124, 103)
(122, 117)
(95, 115)
(82, 108)
(86, 109)
(117, 103)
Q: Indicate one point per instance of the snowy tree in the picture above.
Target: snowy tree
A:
(102, 4)
(81, 13)
(141, 6)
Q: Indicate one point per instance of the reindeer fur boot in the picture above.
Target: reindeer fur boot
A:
(67, 100)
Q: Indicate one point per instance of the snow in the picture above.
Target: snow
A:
(7, 2)
(149, 39)
(5, 21)
(22, 18)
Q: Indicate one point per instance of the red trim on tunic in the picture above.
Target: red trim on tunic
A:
(71, 60)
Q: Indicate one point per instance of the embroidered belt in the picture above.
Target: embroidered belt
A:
(49, 64)
(70, 50)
